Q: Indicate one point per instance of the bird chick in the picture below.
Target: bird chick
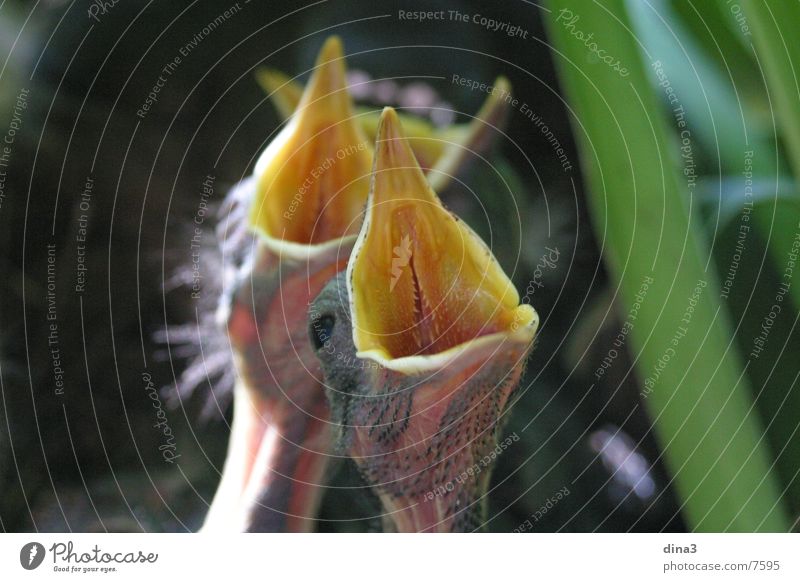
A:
(305, 204)
(309, 185)
(422, 343)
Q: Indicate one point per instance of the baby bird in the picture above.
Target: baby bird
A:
(305, 204)
(304, 207)
(308, 192)
(422, 343)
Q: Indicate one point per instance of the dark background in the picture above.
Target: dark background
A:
(89, 460)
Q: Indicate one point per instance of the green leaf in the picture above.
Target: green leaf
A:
(644, 212)
(775, 26)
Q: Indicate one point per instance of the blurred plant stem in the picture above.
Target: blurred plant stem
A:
(775, 25)
(693, 381)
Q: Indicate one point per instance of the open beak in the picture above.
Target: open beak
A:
(433, 309)
(308, 193)
(313, 177)
(441, 152)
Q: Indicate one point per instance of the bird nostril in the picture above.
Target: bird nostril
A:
(320, 330)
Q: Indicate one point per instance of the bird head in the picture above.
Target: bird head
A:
(422, 343)
(305, 201)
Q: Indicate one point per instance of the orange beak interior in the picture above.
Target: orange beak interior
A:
(313, 178)
(421, 281)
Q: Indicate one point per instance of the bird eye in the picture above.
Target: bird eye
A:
(321, 330)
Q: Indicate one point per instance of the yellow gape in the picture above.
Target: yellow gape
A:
(421, 282)
(313, 177)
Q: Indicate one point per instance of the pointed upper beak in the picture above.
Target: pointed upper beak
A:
(284, 93)
(313, 178)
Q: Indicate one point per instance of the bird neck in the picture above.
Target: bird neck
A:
(288, 481)
(278, 453)
(274, 475)
(428, 447)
